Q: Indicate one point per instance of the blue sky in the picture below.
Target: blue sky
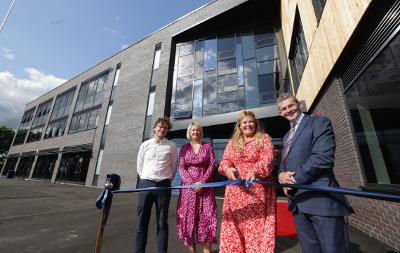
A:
(46, 42)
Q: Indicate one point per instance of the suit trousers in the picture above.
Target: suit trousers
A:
(145, 204)
(321, 234)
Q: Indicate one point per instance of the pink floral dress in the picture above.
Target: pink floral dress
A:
(249, 215)
(196, 214)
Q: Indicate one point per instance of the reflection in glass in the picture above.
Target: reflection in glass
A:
(210, 90)
(226, 43)
(186, 48)
(73, 167)
(248, 46)
(224, 66)
(228, 107)
(265, 53)
(183, 100)
(251, 83)
(186, 61)
(198, 99)
(239, 63)
(373, 100)
(210, 54)
(227, 83)
(199, 60)
(227, 66)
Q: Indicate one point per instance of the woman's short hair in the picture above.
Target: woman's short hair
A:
(197, 124)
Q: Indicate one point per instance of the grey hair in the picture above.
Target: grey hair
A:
(285, 96)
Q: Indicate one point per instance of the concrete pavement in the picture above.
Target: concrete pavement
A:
(37, 216)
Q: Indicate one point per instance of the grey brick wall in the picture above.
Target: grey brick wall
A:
(379, 219)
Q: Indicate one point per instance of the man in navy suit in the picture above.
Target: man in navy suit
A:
(308, 158)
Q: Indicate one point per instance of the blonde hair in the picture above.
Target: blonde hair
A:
(238, 138)
(197, 124)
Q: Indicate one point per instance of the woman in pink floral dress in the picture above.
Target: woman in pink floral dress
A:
(249, 214)
(197, 210)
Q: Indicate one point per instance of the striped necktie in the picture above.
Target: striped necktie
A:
(288, 143)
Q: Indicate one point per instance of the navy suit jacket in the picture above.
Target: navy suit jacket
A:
(311, 157)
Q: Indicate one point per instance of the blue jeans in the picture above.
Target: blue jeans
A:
(145, 203)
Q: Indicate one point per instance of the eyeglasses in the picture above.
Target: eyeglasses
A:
(162, 126)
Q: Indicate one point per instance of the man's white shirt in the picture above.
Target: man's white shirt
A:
(157, 160)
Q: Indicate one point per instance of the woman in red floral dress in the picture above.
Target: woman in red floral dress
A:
(249, 214)
(196, 214)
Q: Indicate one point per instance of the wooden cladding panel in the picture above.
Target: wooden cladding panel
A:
(325, 41)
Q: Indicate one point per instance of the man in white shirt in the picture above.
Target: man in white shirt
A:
(156, 167)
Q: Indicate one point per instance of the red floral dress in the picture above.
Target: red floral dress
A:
(196, 214)
(249, 215)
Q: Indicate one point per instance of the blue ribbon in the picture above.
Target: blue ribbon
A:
(106, 194)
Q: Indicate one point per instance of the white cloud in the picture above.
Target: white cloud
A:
(116, 18)
(124, 46)
(6, 50)
(15, 93)
(9, 56)
(7, 53)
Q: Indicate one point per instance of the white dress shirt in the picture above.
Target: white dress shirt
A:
(298, 120)
(156, 160)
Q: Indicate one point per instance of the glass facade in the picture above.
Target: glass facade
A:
(44, 167)
(373, 103)
(225, 74)
(42, 113)
(10, 165)
(73, 167)
(88, 104)
(59, 115)
(23, 127)
(24, 167)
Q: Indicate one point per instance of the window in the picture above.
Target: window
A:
(157, 54)
(225, 73)
(59, 115)
(318, 8)
(88, 104)
(115, 83)
(373, 100)
(36, 131)
(299, 54)
(149, 114)
(23, 127)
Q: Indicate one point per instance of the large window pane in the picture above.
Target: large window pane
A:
(226, 43)
(373, 100)
(186, 48)
(210, 55)
(248, 46)
(266, 86)
(227, 83)
(251, 83)
(239, 63)
(183, 99)
(266, 53)
(227, 66)
(228, 107)
(198, 99)
(199, 61)
(210, 90)
(266, 67)
(186, 61)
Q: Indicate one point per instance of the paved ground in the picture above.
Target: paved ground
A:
(42, 217)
